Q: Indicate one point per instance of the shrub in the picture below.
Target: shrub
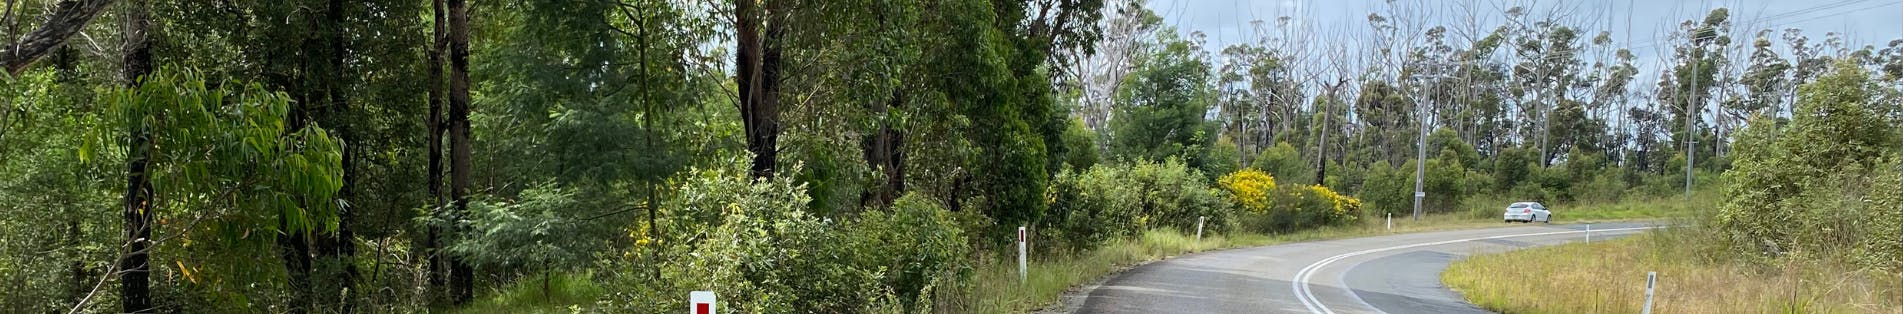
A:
(1285, 162)
(1387, 190)
(1089, 207)
(917, 244)
(1797, 189)
(752, 242)
(1111, 201)
(1249, 189)
(1297, 207)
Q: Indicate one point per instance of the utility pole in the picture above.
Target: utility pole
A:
(1691, 117)
(1420, 165)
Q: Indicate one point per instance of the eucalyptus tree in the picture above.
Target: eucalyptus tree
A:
(1160, 110)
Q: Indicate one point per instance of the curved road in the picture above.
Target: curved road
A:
(1394, 273)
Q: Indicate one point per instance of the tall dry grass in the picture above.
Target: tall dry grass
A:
(1609, 277)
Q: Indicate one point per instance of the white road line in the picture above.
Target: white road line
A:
(1307, 295)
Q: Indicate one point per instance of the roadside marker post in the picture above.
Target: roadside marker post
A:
(1588, 233)
(701, 302)
(1021, 267)
(1390, 222)
(1199, 228)
(1651, 280)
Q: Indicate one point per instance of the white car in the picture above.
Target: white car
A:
(1528, 212)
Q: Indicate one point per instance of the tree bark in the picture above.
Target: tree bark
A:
(69, 17)
(432, 245)
(757, 59)
(885, 153)
(461, 278)
(134, 285)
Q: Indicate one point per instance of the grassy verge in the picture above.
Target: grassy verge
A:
(1609, 277)
(555, 293)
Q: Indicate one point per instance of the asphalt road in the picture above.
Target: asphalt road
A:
(1384, 274)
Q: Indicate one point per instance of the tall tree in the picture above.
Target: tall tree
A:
(135, 294)
(757, 57)
(436, 126)
(461, 276)
(1160, 110)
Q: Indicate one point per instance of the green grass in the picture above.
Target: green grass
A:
(528, 295)
(1609, 277)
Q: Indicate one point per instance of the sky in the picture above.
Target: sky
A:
(1860, 22)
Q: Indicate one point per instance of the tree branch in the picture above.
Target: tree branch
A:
(68, 18)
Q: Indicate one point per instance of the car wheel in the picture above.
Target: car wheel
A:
(1549, 220)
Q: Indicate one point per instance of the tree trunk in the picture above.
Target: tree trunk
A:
(885, 153)
(134, 286)
(432, 245)
(461, 280)
(757, 59)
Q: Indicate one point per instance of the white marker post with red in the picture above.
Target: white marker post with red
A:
(701, 302)
(1021, 266)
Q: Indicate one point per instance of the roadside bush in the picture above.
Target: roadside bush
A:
(1249, 190)
(752, 242)
(1171, 195)
(1089, 207)
(919, 247)
(1297, 207)
(1808, 189)
(1386, 190)
(1110, 201)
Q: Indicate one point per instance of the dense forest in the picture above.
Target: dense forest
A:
(833, 156)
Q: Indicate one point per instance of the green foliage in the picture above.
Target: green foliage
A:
(532, 232)
(918, 245)
(1389, 190)
(1808, 189)
(1111, 201)
(1222, 157)
(752, 242)
(1160, 106)
(1513, 168)
(1081, 146)
(1285, 163)
(49, 196)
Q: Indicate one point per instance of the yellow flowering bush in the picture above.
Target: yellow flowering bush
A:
(1300, 207)
(1249, 189)
(1342, 209)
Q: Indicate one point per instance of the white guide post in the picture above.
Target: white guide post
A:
(701, 302)
(1199, 228)
(1651, 280)
(1021, 266)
